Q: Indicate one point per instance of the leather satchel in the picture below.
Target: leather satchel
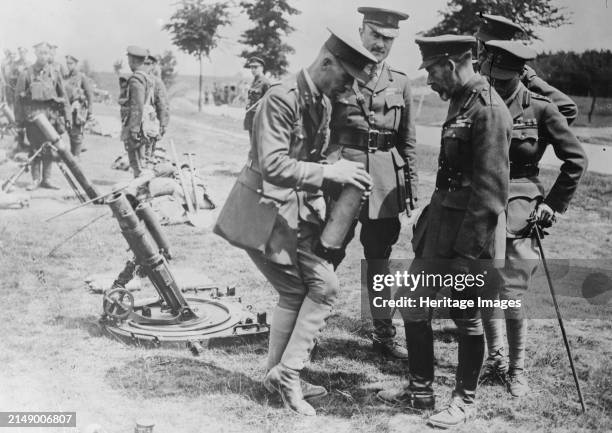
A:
(247, 217)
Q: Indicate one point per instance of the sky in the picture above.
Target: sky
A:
(100, 30)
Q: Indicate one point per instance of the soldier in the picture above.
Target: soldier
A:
(7, 67)
(276, 209)
(464, 221)
(537, 123)
(16, 67)
(80, 97)
(495, 27)
(40, 89)
(160, 102)
(373, 124)
(138, 116)
(259, 87)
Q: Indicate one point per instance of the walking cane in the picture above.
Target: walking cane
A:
(538, 235)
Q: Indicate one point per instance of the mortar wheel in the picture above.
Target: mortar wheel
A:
(118, 304)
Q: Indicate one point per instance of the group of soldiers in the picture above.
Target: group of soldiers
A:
(347, 119)
(61, 92)
(64, 95)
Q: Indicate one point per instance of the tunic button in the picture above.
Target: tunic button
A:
(437, 188)
(449, 179)
(259, 191)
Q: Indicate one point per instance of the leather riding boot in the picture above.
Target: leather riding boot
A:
(470, 360)
(283, 321)
(286, 381)
(284, 377)
(418, 394)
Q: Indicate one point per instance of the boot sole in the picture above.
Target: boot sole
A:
(272, 389)
(444, 426)
(398, 404)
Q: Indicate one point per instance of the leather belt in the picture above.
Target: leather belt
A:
(523, 170)
(451, 180)
(370, 141)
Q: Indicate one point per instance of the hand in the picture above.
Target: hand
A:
(90, 117)
(162, 130)
(350, 172)
(545, 215)
(135, 135)
(68, 124)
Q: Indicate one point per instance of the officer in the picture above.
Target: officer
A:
(276, 209)
(40, 89)
(259, 87)
(373, 124)
(495, 27)
(160, 101)
(138, 117)
(536, 123)
(464, 221)
(80, 97)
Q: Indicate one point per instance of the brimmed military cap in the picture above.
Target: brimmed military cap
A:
(436, 48)
(351, 55)
(136, 51)
(52, 46)
(383, 21)
(254, 61)
(39, 45)
(506, 58)
(496, 27)
(74, 59)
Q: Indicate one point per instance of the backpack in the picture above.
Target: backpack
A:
(150, 122)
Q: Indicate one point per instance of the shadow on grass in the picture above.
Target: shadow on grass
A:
(166, 376)
(90, 324)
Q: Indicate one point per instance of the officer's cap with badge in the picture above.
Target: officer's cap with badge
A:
(385, 22)
(254, 61)
(356, 60)
(137, 52)
(505, 59)
(72, 58)
(496, 27)
(436, 48)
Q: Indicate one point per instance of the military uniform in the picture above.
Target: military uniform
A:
(464, 221)
(259, 87)
(373, 123)
(137, 112)
(276, 212)
(161, 104)
(536, 123)
(80, 96)
(496, 27)
(41, 90)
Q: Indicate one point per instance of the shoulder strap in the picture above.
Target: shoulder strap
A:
(362, 104)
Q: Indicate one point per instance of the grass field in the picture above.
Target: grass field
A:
(54, 356)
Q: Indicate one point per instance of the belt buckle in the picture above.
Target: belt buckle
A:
(373, 138)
